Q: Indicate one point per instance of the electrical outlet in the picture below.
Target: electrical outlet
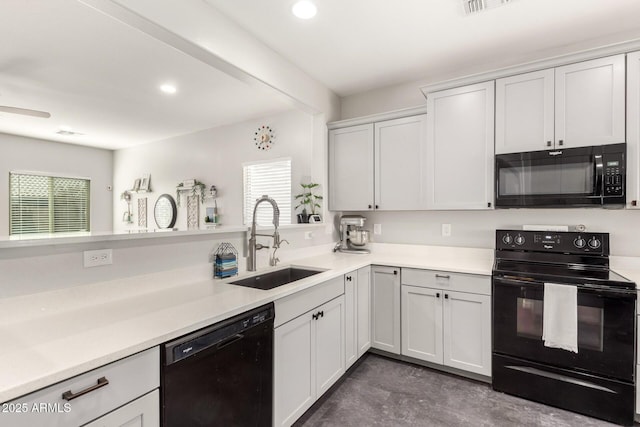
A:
(377, 228)
(446, 230)
(97, 258)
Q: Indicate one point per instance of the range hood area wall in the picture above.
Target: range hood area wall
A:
(477, 228)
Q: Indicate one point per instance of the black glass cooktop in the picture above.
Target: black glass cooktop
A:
(569, 273)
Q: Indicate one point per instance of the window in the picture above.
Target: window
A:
(272, 178)
(47, 204)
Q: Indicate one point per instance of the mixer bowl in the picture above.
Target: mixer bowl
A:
(359, 237)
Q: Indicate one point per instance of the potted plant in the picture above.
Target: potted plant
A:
(308, 200)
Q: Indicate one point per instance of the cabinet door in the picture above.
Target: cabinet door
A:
(422, 323)
(400, 163)
(467, 332)
(633, 129)
(524, 112)
(142, 412)
(329, 334)
(351, 317)
(590, 103)
(351, 168)
(460, 147)
(363, 297)
(385, 287)
(294, 369)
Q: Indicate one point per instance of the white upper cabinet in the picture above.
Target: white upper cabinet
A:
(525, 112)
(351, 168)
(400, 163)
(460, 147)
(590, 98)
(633, 130)
(576, 105)
(387, 156)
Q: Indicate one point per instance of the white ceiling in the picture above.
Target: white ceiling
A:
(101, 78)
(358, 45)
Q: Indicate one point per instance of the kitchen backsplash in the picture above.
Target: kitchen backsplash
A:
(477, 228)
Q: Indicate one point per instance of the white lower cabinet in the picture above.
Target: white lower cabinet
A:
(363, 305)
(385, 306)
(422, 323)
(142, 412)
(443, 325)
(357, 296)
(114, 389)
(309, 359)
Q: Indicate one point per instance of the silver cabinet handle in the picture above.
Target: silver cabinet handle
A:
(69, 395)
(443, 276)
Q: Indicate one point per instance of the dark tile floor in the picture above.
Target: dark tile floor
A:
(385, 392)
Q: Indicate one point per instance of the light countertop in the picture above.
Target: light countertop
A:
(52, 336)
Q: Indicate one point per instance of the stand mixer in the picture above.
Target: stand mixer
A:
(353, 238)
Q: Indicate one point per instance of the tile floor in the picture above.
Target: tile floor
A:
(385, 392)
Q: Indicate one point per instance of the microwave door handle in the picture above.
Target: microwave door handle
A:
(599, 171)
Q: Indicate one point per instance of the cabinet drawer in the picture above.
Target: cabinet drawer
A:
(472, 283)
(142, 412)
(292, 306)
(127, 380)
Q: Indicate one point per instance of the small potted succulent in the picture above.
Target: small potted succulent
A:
(308, 200)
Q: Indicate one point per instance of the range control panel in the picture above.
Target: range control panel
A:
(553, 241)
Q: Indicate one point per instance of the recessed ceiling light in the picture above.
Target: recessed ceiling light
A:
(304, 9)
(168, 88)
(67, 131)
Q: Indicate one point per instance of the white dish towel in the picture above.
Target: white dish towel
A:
(560, 317)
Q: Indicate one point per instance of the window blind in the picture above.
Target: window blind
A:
(47, 204)
(270, 178)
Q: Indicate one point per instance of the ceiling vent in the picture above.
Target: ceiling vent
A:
(474, 6)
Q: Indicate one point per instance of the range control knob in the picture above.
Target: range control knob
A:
(507, 239)
(519, 240)
(594, 243)
(579, 243)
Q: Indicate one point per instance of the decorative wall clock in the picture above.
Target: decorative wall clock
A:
(264, 138)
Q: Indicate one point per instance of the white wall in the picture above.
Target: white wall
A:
(477, 228)
(36, 155)
(215, 157)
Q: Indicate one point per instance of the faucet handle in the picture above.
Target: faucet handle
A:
(284, 241)
(261, 246)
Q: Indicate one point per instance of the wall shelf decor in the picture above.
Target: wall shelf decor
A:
(197, 189)
(142, 212)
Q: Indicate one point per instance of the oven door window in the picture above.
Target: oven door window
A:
(590, 323)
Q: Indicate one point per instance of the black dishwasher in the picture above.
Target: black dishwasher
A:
(221, 375)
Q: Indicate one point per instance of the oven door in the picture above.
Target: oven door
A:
(606, 328)
(554, 178)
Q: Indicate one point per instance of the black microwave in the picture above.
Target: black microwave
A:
(574, 177)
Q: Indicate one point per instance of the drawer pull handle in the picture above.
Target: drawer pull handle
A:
(69, 395)
(443, 276)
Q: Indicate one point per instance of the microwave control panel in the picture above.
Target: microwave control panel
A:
(613, 175)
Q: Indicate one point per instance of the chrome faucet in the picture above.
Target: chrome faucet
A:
(254, 246)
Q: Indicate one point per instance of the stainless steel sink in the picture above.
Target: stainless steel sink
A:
(275, 278)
